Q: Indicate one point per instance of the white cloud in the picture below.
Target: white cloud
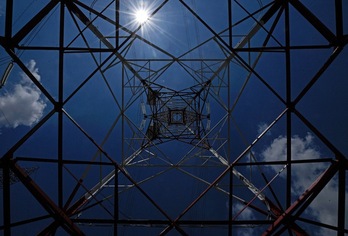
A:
(33, 69)
(303, 174)
(262, 127)
(246, 214)
(324, 207)
(23, 104)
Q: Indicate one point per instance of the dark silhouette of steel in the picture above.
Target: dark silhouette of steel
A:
(169, 115)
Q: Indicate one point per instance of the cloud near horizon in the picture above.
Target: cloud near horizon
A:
(23, 104)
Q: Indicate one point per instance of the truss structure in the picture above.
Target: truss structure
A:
(152, 127)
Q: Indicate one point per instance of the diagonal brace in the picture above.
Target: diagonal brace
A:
(23, 32)
(311, 18)
(44, 200)
(313, 190)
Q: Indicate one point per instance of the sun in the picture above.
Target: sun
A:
(141, 16)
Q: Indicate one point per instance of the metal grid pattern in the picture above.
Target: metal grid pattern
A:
(151, 127)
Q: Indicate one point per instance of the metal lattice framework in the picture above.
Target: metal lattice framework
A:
(151, 127)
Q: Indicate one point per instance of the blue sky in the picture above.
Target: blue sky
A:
(105, 109)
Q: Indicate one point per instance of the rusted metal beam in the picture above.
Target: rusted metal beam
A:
(45, 201)
(313, 190)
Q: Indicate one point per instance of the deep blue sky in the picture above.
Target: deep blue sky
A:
(96, 108)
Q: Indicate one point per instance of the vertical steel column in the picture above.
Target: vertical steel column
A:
(230, 22)
(117, 16)
(122, 116)
(59, 105)
(339, 19)
(288, 104)
(6, 195)
(8, 19)
(5, 163)
(341, 218)
(230, 202)
(116, 209)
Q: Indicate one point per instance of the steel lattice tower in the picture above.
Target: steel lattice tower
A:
(153, 127)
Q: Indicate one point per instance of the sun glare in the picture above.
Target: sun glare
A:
(141, 16)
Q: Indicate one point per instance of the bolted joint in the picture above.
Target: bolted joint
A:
(8, 43)
(58, 107)
(291, 106)
(6, 158)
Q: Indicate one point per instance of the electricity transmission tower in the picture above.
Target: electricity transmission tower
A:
(175, 117)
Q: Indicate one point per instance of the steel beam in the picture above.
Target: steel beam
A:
(45, 200)
(313, 190)
(25, 30)
(311, 18)
(161, 223)
(24, 222)
(283, 220)
(59, 104)
(341, 214)
(6, 196)
(288, 104)
(339, 19)
(117, 25)
(226, 171)
(9, 19)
